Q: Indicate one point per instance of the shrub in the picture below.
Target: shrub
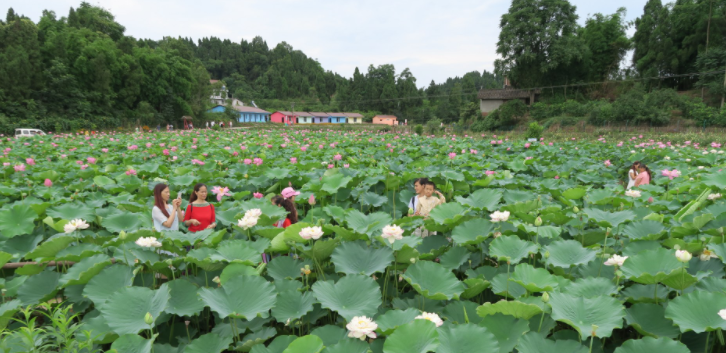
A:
(540, 111)
(573, 108)
(478, 126)
(601, 113)
(433, 126)
(534, 130)
(630, 106)
(510, 112)
(418, 129)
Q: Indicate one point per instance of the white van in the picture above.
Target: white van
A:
(28, 132)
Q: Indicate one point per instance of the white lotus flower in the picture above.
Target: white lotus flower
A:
(616, 260)
(499, 216)
(714, 196)
(392, 233)
(632, 151)
(722, 313)
(720, 152)
(311, 233)
(360, 327)
(632, 193)
(688, 159)
(247, 222)
(255, 212)
(76, 224)
(431, 317)
(701, 167)
(148, 242)
(704, 153)
(667, 158)
(683, 255)
(707, 255)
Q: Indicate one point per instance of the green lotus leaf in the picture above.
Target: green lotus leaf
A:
(566, 253)
(209, 343)
(276, 346)
(650, 344)
(679, 279)
(4, 258)
(187, 239)
(651, 267)
(72, 210)
(372, 199)
(418, 336)
(132, 343)
(454, 258)
(574, 193)
(512, 308)
(697, 311)
(466, 338)
(644, 230)
(332, 183)
(532, 342)
(110, 280)
(533, 279)
(348, 345)
(50, 247)
(582, 313)
(370, 224)
(507, 330)
(126, 309)
(649, 320)
(126, 222)
(330, 334)
(39, 288)
(83, 271)
(433, 281)
(244, 297)
(183, 298)
(501, 285)
(447, 213)
(17, 220)
(237, 251)
(360, 258)
(235, 270)
(461, 312)
(392, 319)
(651, 293)
(609, 219)
(7, 311)
(592, 287)
(292, 305)
(285, 267)
(482, 199)
(472, 232)
(352, 295)
(511, 249)
(183, 180)
(78, 252)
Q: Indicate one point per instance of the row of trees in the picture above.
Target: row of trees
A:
(541, 44)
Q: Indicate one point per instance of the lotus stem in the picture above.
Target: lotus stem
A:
(604, 245)
(540, 322)
(705, 348)
(507, 297)
(655, 293)
(592, 338)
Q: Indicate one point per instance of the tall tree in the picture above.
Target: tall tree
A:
(607, 43)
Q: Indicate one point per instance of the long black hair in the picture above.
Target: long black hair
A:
(635, 166)
(650, 175)
(158, 201)
(290, 208)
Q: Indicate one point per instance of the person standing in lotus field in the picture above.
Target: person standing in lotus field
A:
(165, 215)
(632, 174)
(418, 187)
(644, 175)
(426, 204)
(200, 214)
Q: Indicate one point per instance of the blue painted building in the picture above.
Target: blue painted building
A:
(246, 114)
(337, 118)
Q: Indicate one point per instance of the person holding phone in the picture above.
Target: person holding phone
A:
(165, 215)
(200, 214)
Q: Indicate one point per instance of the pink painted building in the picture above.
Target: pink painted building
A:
(283, 117)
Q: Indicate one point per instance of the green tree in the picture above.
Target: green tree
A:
(607, 43)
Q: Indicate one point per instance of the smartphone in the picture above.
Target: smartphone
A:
(179, 195)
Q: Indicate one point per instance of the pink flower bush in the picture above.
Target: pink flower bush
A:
(104, 150)
(346, 165)
(133, 147)
(331, 166)
(526, 145)
(165, 152)
(490, 172)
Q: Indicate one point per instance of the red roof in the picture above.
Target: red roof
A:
(211, 82)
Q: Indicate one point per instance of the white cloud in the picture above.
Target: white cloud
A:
(435, 39)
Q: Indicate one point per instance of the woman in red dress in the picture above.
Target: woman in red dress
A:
(200, 213)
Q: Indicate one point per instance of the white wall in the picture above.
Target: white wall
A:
(489, 105)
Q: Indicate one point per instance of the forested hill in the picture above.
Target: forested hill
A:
(81, 71)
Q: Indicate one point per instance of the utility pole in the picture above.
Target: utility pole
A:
(292, 105)
(723, 95)
(708, 34)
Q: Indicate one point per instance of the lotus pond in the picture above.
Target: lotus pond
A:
(532, 279)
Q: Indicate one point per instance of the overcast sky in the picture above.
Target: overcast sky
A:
(435, 39)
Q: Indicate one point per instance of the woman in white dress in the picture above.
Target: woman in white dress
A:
(632, 174)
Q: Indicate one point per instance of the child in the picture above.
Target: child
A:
(632, 174)
(418, 187)
(426, 204)
(644, 175)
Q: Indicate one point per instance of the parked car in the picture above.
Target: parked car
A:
(28, 132)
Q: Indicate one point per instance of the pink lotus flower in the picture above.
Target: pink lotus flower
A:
(130, 172)
(452, 155)
(84, 166)
(20, 168)
(607, 163)
(650, 199)
(91, 160)
(303, 148)
(293, 160)
(557, 176)
(257, 195)
(311, 199)
(257, 161)
(247, 161)
(165, 152)
(526, 145)
(133, 147)
(30, 161)
(331, 166)
(346, 165)
(221, 192)
(196, 161)
(490, 172)
(338, 157)
(48, 183)
(671, 174)
(104, 150)
(6, 164)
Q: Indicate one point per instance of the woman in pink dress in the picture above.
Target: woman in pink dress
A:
(643, 177)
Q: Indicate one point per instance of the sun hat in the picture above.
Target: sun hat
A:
(289, 192)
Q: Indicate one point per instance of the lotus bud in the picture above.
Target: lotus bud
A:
(148, 319)
(311, 200)
(607, 231)
(575, 209)
(245, 176)
(497, 234)
(413, 260)
(24, 194)
(122, 235)
(594, 329)
(538, 221)
(545, 297)
(547, 254)
(410, 210)
(216, 280)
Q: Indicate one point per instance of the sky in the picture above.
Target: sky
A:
(434, 39)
